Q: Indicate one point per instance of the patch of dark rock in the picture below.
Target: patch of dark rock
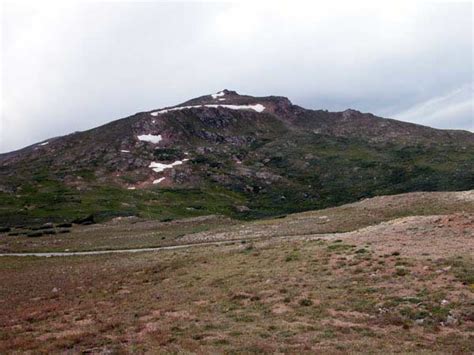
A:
(5, 229)
(49, 231)
(64, 225)
(34, 234)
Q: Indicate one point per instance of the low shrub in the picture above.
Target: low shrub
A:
(305, 302)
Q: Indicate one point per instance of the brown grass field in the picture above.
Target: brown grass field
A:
(391, 274)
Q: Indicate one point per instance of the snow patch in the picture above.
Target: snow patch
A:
(156, 113)
(157, 181)
(218, 94)
(221, 99)
(150, 138)
(132, 188)
(159, 167)
(256, 107)
(45, 143)
(125, 151)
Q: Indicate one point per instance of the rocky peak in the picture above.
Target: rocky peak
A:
(272, 104)
(229, 92)
(350, 112)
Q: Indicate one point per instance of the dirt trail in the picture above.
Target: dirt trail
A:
(112, 251)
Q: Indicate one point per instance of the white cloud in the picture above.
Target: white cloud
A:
(441, 111)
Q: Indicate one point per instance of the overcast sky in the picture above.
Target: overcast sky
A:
(69, 66)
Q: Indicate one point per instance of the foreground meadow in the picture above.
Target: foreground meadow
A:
(403, 285)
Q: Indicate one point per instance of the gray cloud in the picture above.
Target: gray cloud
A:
(71, 66)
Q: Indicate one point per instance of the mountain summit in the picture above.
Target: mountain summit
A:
(233, 154)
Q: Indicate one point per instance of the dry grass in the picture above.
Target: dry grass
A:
(395, 287)
(303, 296)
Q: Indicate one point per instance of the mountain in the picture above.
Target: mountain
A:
(239, 155)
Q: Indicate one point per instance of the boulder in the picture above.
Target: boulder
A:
(47, 226)
(84, 221)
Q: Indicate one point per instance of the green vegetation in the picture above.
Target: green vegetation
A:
(464, 270)
(51, 201)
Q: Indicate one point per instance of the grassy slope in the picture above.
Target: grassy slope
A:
(313, 173)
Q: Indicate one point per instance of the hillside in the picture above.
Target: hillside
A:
(225, 153)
